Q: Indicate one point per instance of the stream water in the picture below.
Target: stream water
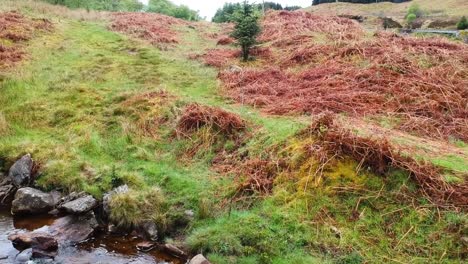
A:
(102, 248)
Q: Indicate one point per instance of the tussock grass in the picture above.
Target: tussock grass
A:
(132, 208)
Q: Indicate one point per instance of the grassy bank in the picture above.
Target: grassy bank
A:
(97, 110)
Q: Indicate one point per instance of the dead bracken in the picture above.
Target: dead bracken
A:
(15, 28)
(196, 116)
(380, 156)
(142, 25)
(326, 63)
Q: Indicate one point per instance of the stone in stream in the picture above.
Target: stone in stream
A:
(145, 246)
(21, 171)
(79, 206)
(73, 229)
(199, 259)
(7, 193)
(24, 256)
(37, 240)
(43, 254)
(149, 230)
(173, 250)
(31, 201)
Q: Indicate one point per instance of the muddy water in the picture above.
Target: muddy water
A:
(102, 248)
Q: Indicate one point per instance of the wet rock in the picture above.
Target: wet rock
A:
(199, 259)
(56, 196)
(145, 246)
(21, 171)
(73, 229)
(31, 201)
(79, 206)
(7, 192)
(108, 196)
(24, 256)
(54, 212)
(37, 240)
(173, 250)
(72, 196)
(149, 230)
(40, 254)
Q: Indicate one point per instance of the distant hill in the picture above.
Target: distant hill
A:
(317, 2)
(432, 8)
(437, 14)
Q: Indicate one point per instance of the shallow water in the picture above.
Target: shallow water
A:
(101, 249)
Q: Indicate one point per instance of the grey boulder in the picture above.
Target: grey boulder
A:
(21, 171)
(199, 259)
(31, 201)
(79, 206)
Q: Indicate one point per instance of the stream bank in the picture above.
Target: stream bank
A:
(100, 248)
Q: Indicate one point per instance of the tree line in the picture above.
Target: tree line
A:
(165, 7)
(226, 13)
(101, 5)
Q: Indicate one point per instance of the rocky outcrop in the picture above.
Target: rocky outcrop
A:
(199, 259)
(21, 171)
(81, 205)
(31, 201)
(73, 229)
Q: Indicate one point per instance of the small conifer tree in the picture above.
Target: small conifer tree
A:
(246, 28)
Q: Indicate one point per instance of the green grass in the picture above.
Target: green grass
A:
(69, 106)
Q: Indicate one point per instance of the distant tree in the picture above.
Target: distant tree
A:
(410, 18)
(102, 5)
(462, 24)
(292, 8)
(416, 10)
(167, 7)
(225, 14)
(271, 5)
(246, 28)
(131, 5)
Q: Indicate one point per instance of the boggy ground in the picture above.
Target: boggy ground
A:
(97, 109)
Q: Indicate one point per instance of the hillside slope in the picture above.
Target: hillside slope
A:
(106, 99)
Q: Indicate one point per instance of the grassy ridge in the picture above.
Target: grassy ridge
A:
(73, 107)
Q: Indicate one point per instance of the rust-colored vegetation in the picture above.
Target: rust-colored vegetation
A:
(327, 63)
(156, 28)
(14, 30)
